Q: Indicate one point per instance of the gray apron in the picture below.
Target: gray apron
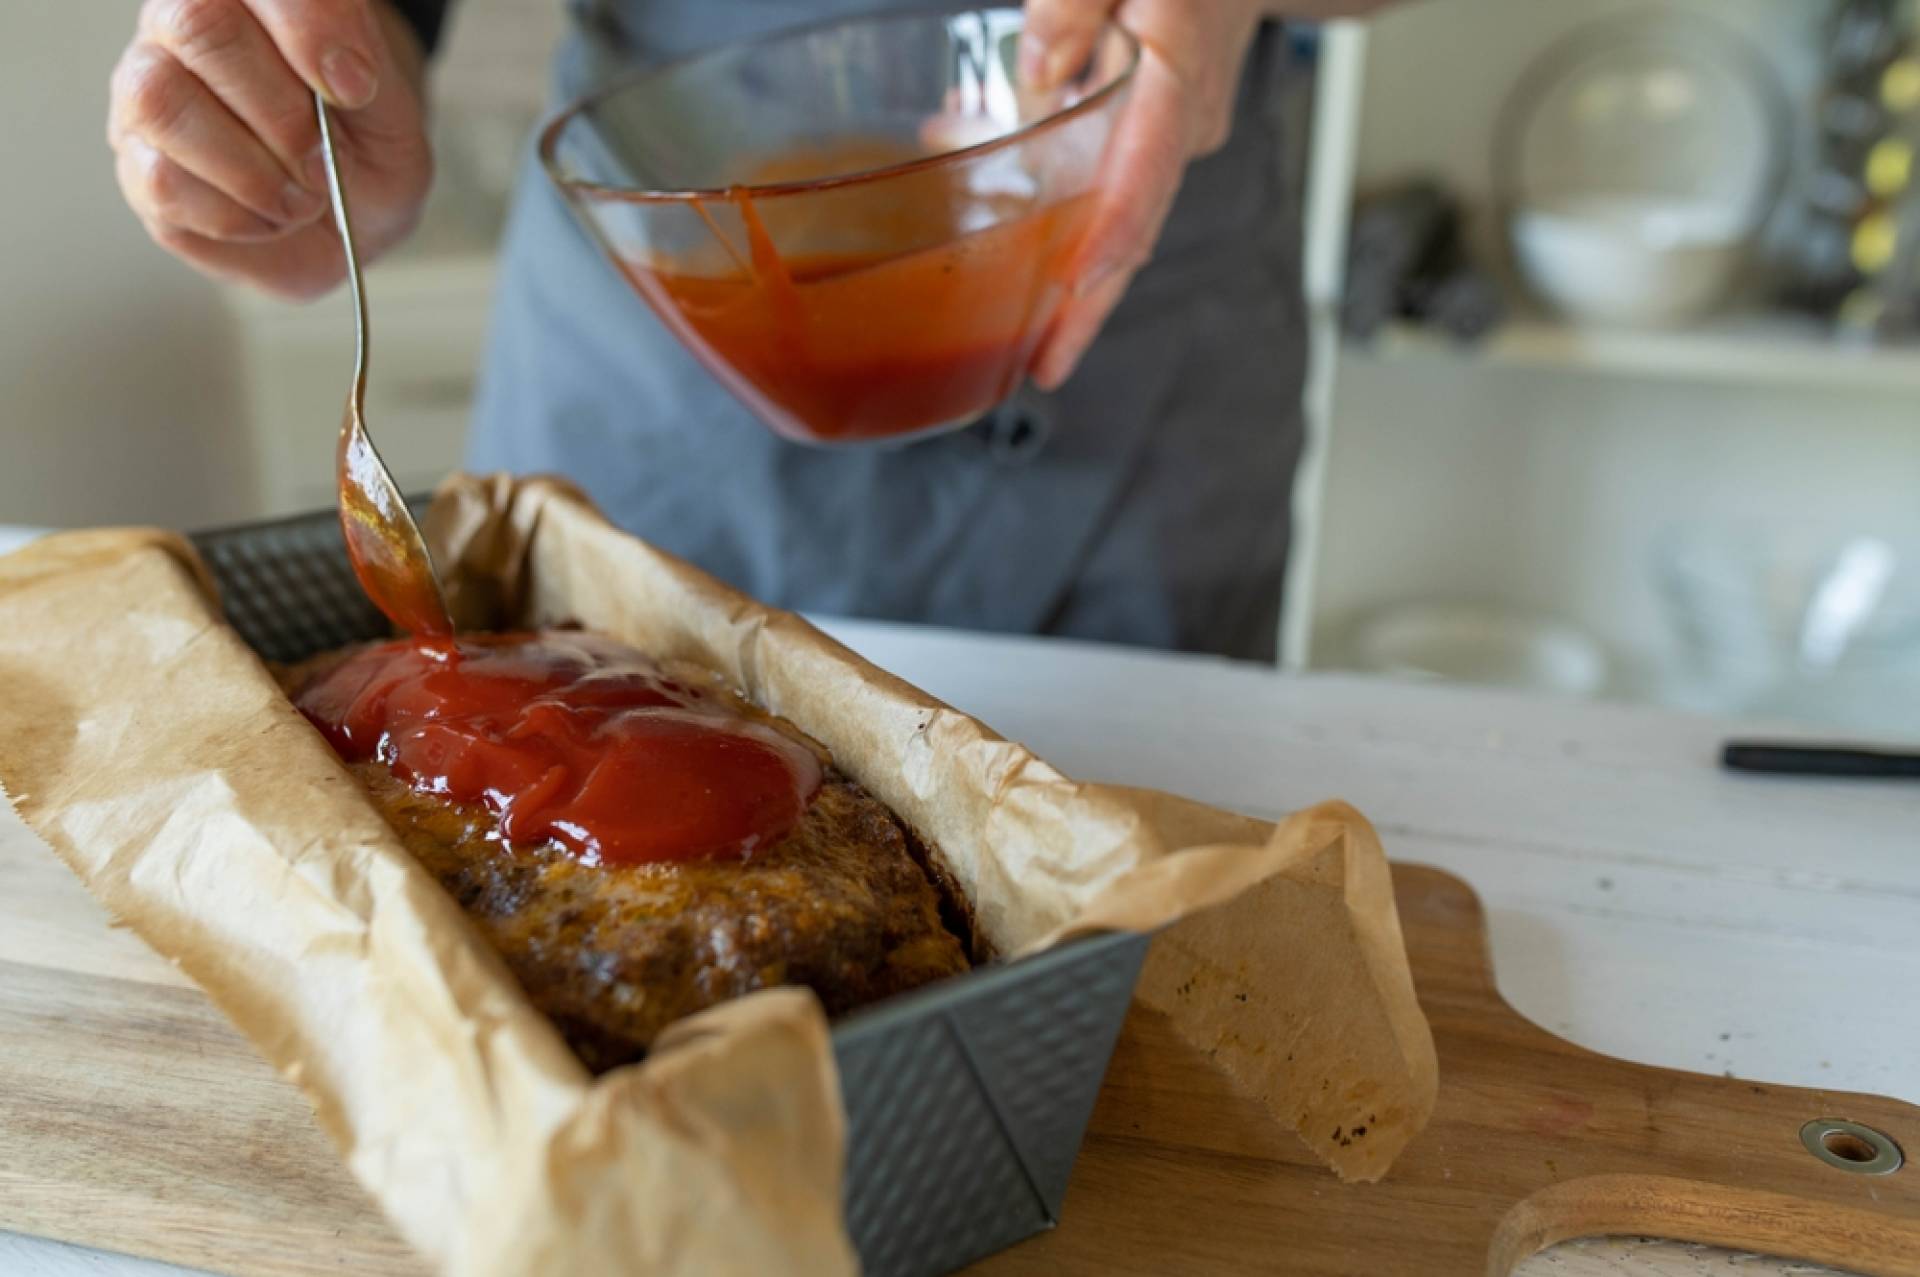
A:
(1146, 502)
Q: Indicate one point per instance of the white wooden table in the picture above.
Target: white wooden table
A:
(1640, 902)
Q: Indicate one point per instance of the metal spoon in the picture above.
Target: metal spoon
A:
(389, 555)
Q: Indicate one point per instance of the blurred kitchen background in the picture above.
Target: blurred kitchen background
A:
(1616, 305)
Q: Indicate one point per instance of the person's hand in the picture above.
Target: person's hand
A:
(1181, 107)
(216, 145)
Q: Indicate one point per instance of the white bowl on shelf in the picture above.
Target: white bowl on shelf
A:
(1646, 260)
(1485, 645)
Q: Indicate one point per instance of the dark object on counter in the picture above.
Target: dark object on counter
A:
(1781, 758)
(1406, 260)
(966, 1101)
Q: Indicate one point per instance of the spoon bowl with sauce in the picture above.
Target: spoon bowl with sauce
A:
(862, 228)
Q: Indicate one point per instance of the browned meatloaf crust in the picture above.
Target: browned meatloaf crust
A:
(614, 954)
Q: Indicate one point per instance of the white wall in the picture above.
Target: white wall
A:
(118, 394)
(1543, 487)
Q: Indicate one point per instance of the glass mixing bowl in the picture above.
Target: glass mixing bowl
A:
(864, 228)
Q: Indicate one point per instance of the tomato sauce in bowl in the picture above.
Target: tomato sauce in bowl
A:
(839, 347)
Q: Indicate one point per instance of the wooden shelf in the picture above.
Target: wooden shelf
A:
(1748, 350)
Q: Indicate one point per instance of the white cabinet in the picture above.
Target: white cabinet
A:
(1536, 471)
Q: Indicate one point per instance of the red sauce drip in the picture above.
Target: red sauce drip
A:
(389, 564)
(569, 737)
(839, 346)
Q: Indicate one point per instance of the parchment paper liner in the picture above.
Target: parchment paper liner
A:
(148, 745)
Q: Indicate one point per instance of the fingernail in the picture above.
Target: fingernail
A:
(298, 203)
(350, 78)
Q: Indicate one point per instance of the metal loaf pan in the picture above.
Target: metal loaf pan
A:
(965, 1101)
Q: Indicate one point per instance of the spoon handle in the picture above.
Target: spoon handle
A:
(344, 221)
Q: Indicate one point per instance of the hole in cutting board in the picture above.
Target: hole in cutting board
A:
(1849, 1147)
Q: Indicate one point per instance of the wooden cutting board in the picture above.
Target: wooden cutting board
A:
(133, 1118)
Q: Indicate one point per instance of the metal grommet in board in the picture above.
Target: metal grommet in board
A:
(1851, 1147)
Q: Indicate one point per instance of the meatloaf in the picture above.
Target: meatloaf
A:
(613, 953)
